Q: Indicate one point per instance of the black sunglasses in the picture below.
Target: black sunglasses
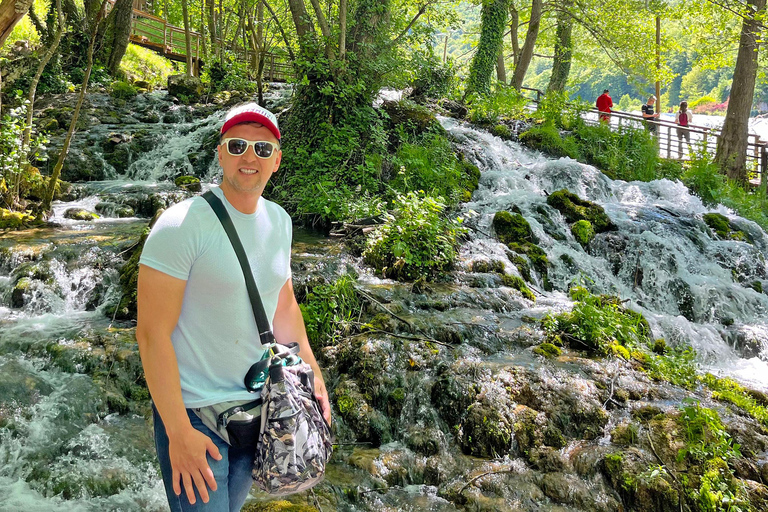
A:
(237, 146)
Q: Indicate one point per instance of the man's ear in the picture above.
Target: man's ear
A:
(277, 161)
(218, 150)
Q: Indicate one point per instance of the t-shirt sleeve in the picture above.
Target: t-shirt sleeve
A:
(174, 242)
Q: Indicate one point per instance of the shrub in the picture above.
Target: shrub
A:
(142, 64)
(627, 154)
(122, 90)
(416, 240)
(433, 78)
(702, 101)
(547, 138)
(558, 109)
(329, 310)
(504, 104)
(228, 75)
(428, 164)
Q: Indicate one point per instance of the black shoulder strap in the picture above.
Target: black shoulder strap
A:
(265, 333)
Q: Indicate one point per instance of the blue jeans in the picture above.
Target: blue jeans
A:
(232, 472)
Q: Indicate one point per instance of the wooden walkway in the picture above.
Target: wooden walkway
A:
(675, 148)
(157, 34)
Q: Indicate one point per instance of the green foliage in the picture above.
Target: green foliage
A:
(701, 101)
(432, 78)
(329, 310)
(708, 443)
(429, 164)
(729, 390)
(142, 64)
(583, 232)
(677, 365)
(416, 240)
(547, 138)
(596, 323)
(504, 104)
(122, 90)
(547, 350)
(228, 75)
(16, 177)
(99, 76)
(557, 109)
(493, 19)
(626, 154)
(704, 179)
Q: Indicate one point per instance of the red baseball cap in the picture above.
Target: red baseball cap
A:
(251, 113)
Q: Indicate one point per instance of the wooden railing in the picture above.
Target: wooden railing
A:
(168, 40)
(678, 148)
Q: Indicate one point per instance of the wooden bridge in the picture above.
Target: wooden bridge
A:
(157, 34)
(674, 148)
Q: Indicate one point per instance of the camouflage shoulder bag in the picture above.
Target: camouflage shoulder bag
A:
(293, 441)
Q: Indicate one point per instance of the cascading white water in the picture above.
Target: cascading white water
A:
(662, 256)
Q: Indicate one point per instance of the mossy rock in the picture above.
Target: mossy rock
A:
(583, 232)
(485, 432)
(518, 284)
(625, 434)
(17, 220)
(122, 90)
(512, 228)
(487, 267)
(502, 131)
(188, 183)
(624, 472)
(522, 265)
(535, 254)
(365, 422)
(414, 118)
(575, 209)
(548, 350)
(80, 214)
(547, 138)
(470, 173)
(19, 292)
(185, 87)
(723, 228)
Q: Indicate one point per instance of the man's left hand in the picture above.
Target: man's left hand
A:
(322, 397)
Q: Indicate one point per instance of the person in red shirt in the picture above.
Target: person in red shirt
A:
(604, 104)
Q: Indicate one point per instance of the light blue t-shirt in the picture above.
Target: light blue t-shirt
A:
(216, 339)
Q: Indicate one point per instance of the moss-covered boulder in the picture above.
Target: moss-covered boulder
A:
(80, 214)
(414, 118)
(278, 506)
(366, 423)
(547, 349)
(547, 138)
(583, 232)
(518, 284)
(188, 183)
(486, 431)
(122, 90)
(185, 87)
(512, 228)
(575, 209)
(723, 228)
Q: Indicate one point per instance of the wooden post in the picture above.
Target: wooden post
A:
(763, 166)
(706, 144)
(165, 38)
(669, 140)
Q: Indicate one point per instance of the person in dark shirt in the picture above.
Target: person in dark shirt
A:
(604, 104)
(649, 114)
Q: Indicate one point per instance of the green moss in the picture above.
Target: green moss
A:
(659, 346)
(502, 131)
(625, 434)
(80, 214)
(723, 228)
(575, 209)
(554, 437)
(547, 350)
(583, 232)
(728, 390)
(189, 183)
(547, 138)
(278, 506)
(522, 265)
(518, 284)
(535, 254)
(512, 228)
(757, 286)
(122, 90)
(485, 267)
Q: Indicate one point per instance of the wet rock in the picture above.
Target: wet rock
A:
(575, 209)
(512, 228)
(455, 389)
(723, 229)
(365, 422)
(623, 472)
(80, 214)
(183, 86)
(16, 220)
(188, 183)
(406, 113)
(456, 109)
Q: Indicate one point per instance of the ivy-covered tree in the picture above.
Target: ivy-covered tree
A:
(494, 19)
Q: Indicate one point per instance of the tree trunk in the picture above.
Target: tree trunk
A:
(212, 27)
(526, 54)
(46, 206)
(187, 36)
(493, 21)
(301, 20)
(342, 29)
(11, 11)
(514, 22)
(501, 71)
(561, 67)
(121, 31)
(732, 144)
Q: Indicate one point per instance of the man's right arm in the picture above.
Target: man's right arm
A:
(159, 305)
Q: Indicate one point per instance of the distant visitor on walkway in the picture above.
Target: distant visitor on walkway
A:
(683, 119)
(604, 104)
(649, 114)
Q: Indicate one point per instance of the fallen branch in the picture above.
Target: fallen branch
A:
(495, 472)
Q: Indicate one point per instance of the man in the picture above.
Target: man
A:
(604, 104)
(196, 330)
(649, 114)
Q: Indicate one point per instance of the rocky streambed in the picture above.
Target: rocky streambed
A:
(451, 395)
